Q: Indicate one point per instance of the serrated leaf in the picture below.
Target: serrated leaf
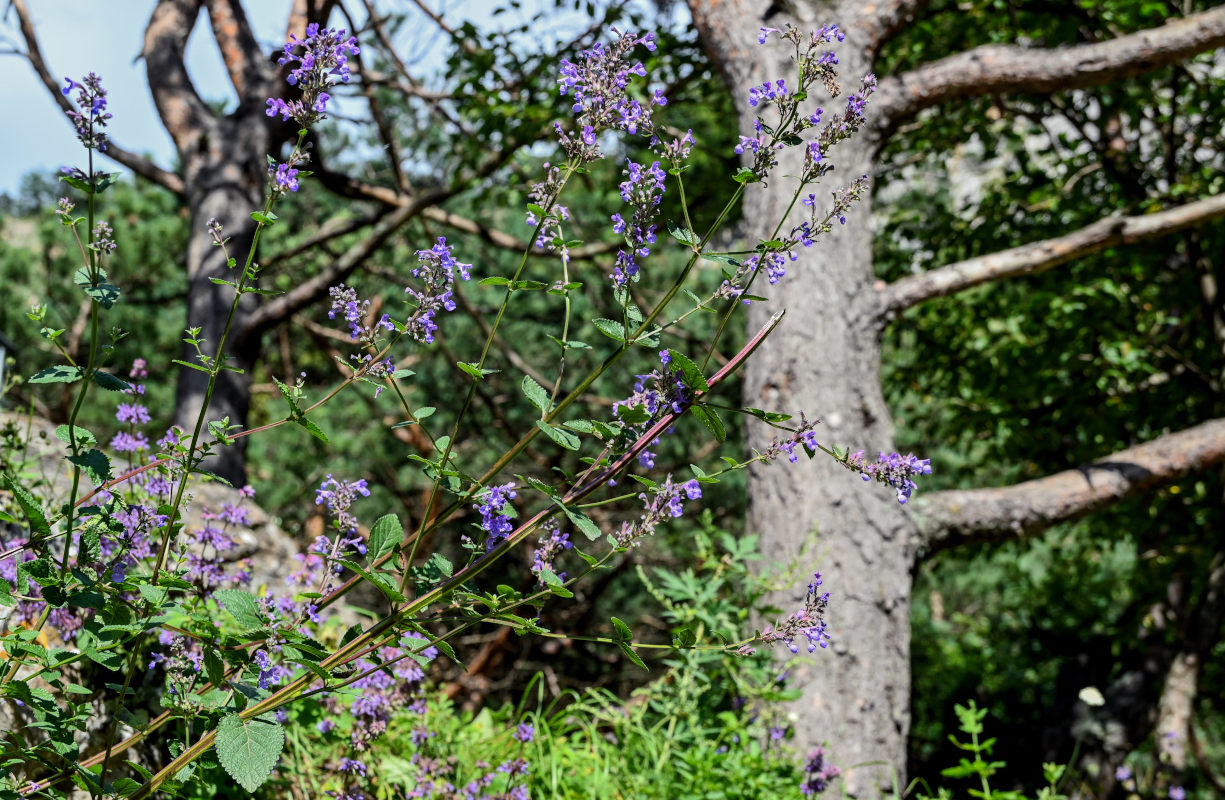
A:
(95, 464)
(381, 582)
(242, 606)
(631, 654)
(535, 393)
(682, 235)
(248, 749)
(745, 175)
(623, 631)
(610, 328)
(110, 382)
(694, 378)
(312, 428)
(562, 437)
(105, 293)
(214, 667)
(581, 521)
(384, 536)
(61, 373)
(474, 370)
(64, 434)
(713, 422)
(32, 508)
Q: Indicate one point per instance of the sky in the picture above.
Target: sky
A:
(80, 36)
(105, 36)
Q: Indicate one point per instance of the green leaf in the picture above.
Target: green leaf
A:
(95, 464)
(381, 581)
(110, 382)
(314, 429)
(745, 175)
(384, 536)
(64, 434)
(242, 606)
(494, 281)
(694, 378)
(107, 294)
(631, 655)
(61, 373)
(475, 370)
(624, 633)
(710, 418)
(564, 438)
(248, 749)
(214, 667)
(581, 521)
(32, 508)
(610, 328)
(720, 258)
(536, 394)
(682, 235)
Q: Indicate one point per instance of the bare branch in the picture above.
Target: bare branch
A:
(1030, 259)
(954, 518)
(1006, 68)
(137, 163)
(507, 241)
(245, 62)
(332, 229)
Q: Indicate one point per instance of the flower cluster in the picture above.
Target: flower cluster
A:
(496, 513)
(437, 269)
(543, 195)
(807, 622)
(643, 190)
(818, 772)
(658, 392)
(895, 470)
(93, 116)
(325, 56)
(132, 413)
(805, 435)
(338, 497)
(599, 83)
(362, 330)
(551, 544)
(665, 500)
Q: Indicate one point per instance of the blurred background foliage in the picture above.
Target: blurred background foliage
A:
(1003, 383)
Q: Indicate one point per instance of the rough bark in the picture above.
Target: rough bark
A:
(953, 518)
(1035, 257)
(824, 359)
(223, 162)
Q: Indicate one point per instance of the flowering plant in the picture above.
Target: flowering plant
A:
(126, 582)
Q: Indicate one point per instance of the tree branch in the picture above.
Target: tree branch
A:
(953, 518)
(245, 62)
(1008, 68)
(1035, 257)
(185, 116)
(137, 163)
(890, 18)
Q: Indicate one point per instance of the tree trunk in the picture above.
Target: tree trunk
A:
(225, 182)
(824, 360)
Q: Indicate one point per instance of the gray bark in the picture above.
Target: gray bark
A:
(824, 359)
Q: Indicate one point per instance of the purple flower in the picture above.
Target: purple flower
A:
(1177, 793)
(524, 732)
(818, 773)
(643, 190)
(496, 514)
(808, 622)
(895, 469)
(598, 84)
(1122, 773)
(132, 414)
(665, 500)
(436, 268)
(285, 176)
(323, 61)
(92, 115)
(338, 497)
